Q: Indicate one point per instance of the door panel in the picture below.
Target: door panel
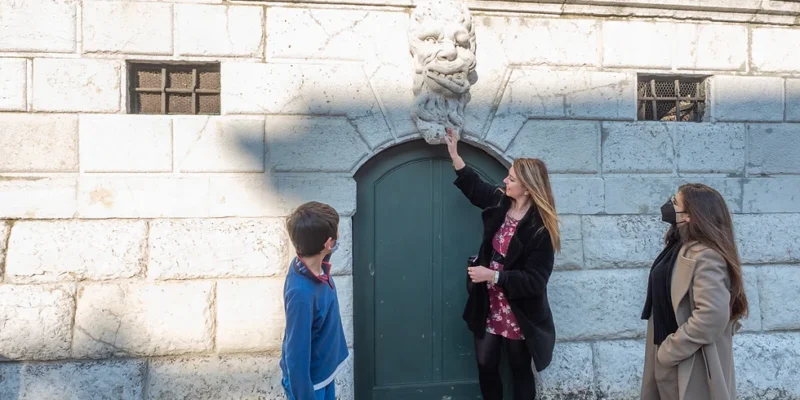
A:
(413, 232)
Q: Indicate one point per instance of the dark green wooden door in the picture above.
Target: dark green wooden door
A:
(413, 232)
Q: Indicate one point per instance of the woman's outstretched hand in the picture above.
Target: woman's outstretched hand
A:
(452, 148)
(480, 274)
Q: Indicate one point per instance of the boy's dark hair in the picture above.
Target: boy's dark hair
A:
(310, 226)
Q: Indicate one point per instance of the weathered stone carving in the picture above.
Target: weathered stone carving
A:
(442, 41)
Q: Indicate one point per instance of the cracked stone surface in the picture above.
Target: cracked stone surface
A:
(767, 365)
(73, 85)
(37, 197)
(623, 241)
(773, 149)
(36, 321)
(619, 366)
(102, 380)
(51, 251)
(569, 375)
(213, 30)
(560, 94)
(215, 248)
(127, 27)
(768, 238)
(38, 26)
(4, 231)
(308, 89)
(245, 377)
(638, 147)
(303, 144)
(640, 195)
(219, 144)
(143, 319)
(250, 315)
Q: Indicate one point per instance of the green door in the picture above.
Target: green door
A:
(413, 232)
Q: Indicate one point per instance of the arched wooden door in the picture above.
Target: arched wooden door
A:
(413, 232)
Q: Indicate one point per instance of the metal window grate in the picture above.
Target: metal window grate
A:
(671, 99)
(174, 88)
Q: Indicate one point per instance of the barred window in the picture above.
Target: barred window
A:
(663, 98)
(173, 88)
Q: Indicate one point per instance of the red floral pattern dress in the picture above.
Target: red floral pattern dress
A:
(501, 320)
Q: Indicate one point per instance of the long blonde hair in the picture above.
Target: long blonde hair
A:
(532, 174)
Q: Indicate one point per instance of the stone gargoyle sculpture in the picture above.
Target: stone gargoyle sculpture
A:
(442, 41)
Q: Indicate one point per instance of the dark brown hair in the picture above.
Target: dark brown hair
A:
(310, 226)
(532, 173)
(711, 224)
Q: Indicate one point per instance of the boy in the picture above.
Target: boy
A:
(314, 348)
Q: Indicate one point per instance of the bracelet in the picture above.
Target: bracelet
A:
(496, 277)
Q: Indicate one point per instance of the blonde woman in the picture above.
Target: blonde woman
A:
(507, 304)
(695, 298)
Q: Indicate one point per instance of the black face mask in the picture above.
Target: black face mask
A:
(668, 213)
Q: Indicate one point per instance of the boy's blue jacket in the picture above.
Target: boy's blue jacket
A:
(314, 347)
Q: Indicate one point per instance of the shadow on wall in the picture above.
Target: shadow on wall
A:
(313, 157)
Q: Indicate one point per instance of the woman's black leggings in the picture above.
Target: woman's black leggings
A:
(487, 351)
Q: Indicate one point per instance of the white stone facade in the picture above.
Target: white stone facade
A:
(142, 257)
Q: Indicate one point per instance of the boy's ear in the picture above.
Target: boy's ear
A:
(329, 243)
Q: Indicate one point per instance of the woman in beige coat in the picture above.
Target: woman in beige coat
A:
(695, 298)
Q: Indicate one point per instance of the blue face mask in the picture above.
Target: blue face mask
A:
(335, 246)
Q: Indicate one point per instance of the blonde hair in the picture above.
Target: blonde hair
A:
(532, 174)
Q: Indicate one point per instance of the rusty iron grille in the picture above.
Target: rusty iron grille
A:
(174, 89)
(671, 99)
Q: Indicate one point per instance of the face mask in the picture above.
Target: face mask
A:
(668, 213)
(335, 246)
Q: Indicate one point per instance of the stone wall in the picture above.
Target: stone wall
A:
(142, 257)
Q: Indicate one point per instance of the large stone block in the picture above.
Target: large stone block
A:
(244, 377)
(219, 144)
(143, 319)
(214, 248)
(377, 38)
(638, 44)
(339, 193)
(747, 98)
(342, 260)
(775, 49)
(778, 194)
(793, 100)
(13, 84)
(101, 380)
(309, 89)
(127, 27)
(640, 195)
(638, 147)
(4, 232)
(37, 321)
(768, 238)
(565, 146)
(624, 241)
(775, 283)
(711, 47)
(571, 256)
(126, 143)
(773, 149)
(10, 377)
(618, 369)
(37, 197)
(143, 197)
(767, 365)
(250, 315)
(583, 300)
(711, 148)
(38, 143)
(752, 281)
(577, 195)
(76, 85)
(569, 375)
(244, 195)
(548, 41)
(309, 144)
(38, 26)
(219, 30)
(560, 94)
(50, 251)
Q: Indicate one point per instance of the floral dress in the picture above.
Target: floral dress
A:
(501, 320)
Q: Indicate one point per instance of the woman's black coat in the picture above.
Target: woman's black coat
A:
(526, 269)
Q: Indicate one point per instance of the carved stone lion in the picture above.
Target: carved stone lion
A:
(442, 41)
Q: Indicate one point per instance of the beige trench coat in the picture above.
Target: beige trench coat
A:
(695, 362)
